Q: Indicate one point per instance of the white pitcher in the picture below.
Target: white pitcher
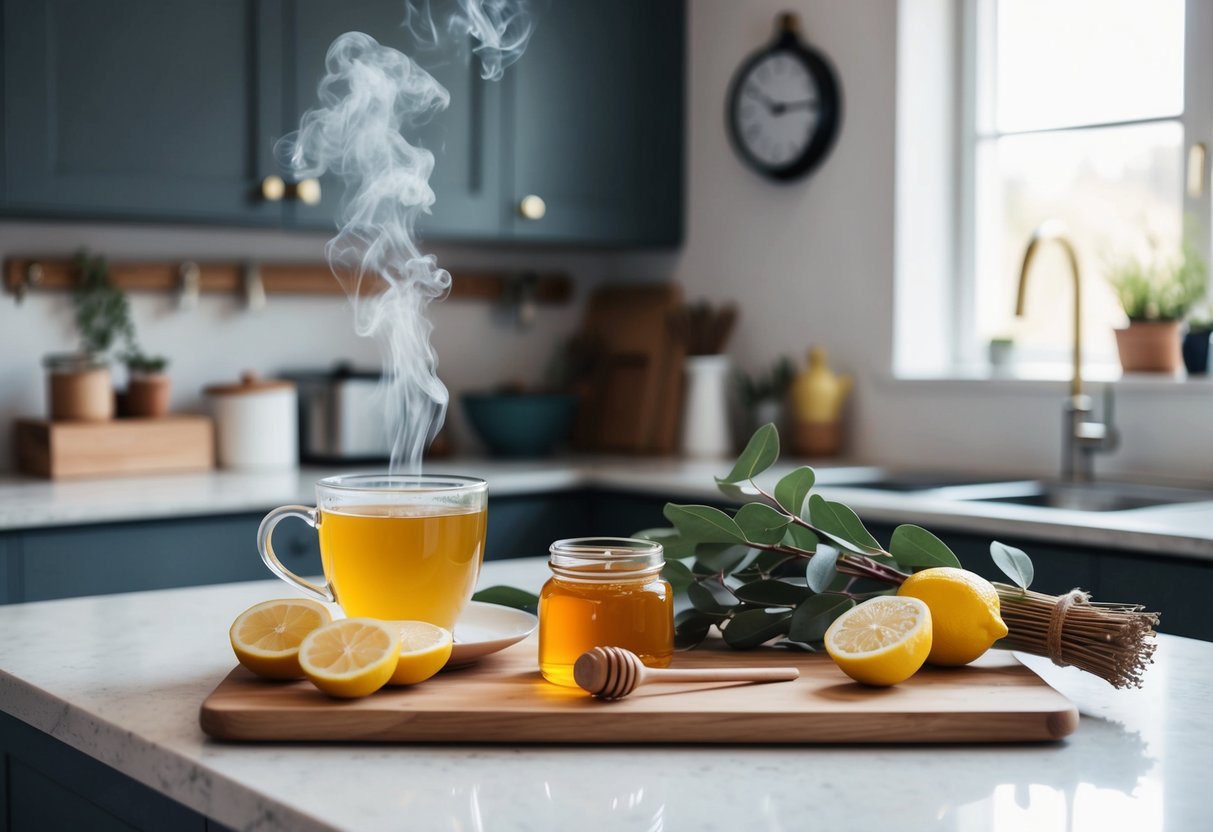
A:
(705, 412)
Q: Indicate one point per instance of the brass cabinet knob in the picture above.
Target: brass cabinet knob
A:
(273, 188)
(307, 191)
(532, 207)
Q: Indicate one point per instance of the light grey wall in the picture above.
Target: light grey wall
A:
(478, 345)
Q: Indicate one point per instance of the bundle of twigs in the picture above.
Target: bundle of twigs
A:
(1113, 641)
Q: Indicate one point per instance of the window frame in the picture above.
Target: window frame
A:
(975, 28)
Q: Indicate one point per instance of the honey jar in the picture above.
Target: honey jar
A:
(604, 592)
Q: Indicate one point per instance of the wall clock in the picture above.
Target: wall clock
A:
(784, 106)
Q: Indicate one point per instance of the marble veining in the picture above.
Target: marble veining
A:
(121, 678)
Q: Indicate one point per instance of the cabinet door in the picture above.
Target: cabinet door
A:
(127, 557)
(1177, 589)
(142, 110)
(466, 175)
(594, 114)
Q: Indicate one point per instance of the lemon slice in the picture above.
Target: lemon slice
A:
(266, 636)
(883, 641)
(350, 658)
(424, 650)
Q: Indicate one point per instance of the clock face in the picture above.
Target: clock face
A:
(776, 109)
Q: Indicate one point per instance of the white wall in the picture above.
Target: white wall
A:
(813, 262)
(478, 346)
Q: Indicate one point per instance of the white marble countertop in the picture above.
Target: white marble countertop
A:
(121, 678)
(1184, 530)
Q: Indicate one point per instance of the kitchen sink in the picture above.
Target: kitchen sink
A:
(1095, 496)
(914, 481)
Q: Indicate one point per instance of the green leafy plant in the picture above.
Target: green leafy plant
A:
(769, 385)
(137, 362)
(1159, 289)
(103, 315)
(1200, 319)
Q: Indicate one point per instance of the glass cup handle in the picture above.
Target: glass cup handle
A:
(266, 530)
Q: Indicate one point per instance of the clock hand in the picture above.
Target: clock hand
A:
(770, 104)
(807, 104)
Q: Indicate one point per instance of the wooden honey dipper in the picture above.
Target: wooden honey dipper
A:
(613, 673)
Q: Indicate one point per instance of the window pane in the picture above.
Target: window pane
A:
(1066, 62)
(1116, 188)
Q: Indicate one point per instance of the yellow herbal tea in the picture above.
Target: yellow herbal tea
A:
(402, 562)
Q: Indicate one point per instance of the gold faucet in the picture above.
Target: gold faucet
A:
(1083, 437)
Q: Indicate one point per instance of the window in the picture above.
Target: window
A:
(1078, 110)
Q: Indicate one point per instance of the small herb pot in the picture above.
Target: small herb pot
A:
(1149, 347)
(147, 395)
(79, 388)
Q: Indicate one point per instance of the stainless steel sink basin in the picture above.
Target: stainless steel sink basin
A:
(1096, 496)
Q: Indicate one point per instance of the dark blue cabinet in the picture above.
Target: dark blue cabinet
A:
(142, 110)
(169, 110)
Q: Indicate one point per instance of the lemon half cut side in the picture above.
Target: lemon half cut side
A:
(266, 636)
(351, 657)
(883, 641)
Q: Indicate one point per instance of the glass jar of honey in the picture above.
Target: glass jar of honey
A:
(604, 592)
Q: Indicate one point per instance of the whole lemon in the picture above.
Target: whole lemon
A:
(964, 606)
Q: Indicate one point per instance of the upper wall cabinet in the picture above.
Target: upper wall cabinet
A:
(137, 109)
(168, 110)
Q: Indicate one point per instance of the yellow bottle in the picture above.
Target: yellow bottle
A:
(818, 395)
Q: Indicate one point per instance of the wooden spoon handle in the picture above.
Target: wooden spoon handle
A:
(722, 674)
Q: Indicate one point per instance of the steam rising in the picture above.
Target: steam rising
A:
(369, 95)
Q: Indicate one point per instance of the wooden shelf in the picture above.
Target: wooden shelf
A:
(24, 274)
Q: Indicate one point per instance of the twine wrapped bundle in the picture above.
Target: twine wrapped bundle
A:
(1113, 641)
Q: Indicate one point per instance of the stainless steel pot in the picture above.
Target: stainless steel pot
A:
(341, 416)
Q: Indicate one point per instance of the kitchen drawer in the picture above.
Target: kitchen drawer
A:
(126, 557)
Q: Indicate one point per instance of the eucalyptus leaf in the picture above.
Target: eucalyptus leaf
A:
(508, 596)
(678, 574)
(791, 491)
(759, 454)
(798, 537)
(735, 492)
(721, 557)
(842, 525)
(762, 566)
(774, 593)
(916, 547)
(789, 644)
(711, 597)
(753, 627)
(761, 524)
(820, 571)
(1014, 563)
(703, 524)
(814, 616)
(691, 628)
(671, 542)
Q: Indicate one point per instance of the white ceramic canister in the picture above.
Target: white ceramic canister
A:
(256, 423)
(705, 415)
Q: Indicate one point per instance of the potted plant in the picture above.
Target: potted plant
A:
(147, 387)
(1156, 294)
(763, 395)
(79, 383)
(1196, 341)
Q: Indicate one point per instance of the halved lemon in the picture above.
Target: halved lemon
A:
(424, 650)
(266, 636)
(350, 658)
(883, 641)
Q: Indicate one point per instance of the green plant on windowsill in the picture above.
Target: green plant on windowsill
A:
(1159, 289)
(781, 567)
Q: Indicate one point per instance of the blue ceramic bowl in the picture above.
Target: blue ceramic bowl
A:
(521, 424)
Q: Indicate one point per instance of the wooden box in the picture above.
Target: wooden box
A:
(63, 450)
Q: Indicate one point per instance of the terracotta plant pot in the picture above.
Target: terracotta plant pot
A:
(147, 396)
(79, 389)
(1149, 347)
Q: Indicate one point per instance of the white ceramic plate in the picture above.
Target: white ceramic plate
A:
(484, 629)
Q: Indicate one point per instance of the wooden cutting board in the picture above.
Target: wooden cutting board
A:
(504, 699)
(65, 450)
